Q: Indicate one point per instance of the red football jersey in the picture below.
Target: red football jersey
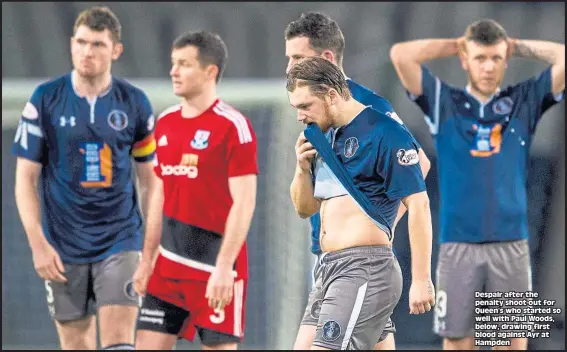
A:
(195, 157)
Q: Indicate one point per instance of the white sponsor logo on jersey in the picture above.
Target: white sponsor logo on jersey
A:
(407, 157)
(179, 170)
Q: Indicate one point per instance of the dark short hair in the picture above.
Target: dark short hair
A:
(322, 31)
(319, 75)
(98, 19)
(211, 48)
(485, 32)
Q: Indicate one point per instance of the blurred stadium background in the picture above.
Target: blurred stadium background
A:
(35, 40)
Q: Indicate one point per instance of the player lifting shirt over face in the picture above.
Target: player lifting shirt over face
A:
(361, 280)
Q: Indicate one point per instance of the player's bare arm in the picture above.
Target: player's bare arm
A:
(407, 58)
(243, 193)
(47, 262)
(425, 166)
(422, 293)
(301, 188)
(550, 52)
(151, 188)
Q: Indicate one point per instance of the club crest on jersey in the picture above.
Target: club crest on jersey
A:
(201, 140)
(118, 120)
(407, 157)
(503, 106)
(351, 146)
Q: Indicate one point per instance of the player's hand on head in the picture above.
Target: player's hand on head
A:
(461, 45)
(304, 152)
(48, 263)
(220, 287)
(142, 277)
(421, 296)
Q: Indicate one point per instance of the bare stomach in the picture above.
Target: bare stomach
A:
(345, 225)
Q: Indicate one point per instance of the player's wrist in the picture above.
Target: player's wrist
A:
(421, 277)
(224, 265)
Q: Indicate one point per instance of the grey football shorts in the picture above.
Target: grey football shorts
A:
(354, 295)
(311, 315)
(90, 286)
(466, 268)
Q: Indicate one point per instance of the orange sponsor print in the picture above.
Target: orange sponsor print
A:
(495, 142)
(104, 166)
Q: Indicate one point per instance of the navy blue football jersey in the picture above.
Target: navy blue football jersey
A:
(482, 151)
(380, 156)
(88, 198)
(367, 97)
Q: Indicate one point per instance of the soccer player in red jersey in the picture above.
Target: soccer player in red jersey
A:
(206, 159)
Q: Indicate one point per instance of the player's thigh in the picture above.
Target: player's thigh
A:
(115, 296)
(386, 340)
(509, 267)
(459, 275)
(509, 270)
(308, 325)
(71, 307)
(159, 324)
(359, 298)
(386, 343)
(218, 329)
(73, 299)
(79, 334)
(314, 301)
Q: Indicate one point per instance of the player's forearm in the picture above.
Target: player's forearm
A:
(301, 191)
(550, 52)
(423, 50)
(154, 221)
(27, 202)
(420, 238)
(236, 230)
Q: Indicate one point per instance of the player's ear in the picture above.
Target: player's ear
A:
(117, 50)
(212, 71)
(328, 54)
(333, 96)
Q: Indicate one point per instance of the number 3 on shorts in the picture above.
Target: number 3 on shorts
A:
(50, 299)
(218, 317)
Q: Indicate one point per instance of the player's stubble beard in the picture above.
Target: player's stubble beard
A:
(476, 86)
(328, 118)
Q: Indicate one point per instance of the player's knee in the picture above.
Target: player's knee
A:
(387, 344)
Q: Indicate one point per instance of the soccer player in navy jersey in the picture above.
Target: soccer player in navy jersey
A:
(74, 142)
(315, 34)
(482, 135)
(360, 282)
